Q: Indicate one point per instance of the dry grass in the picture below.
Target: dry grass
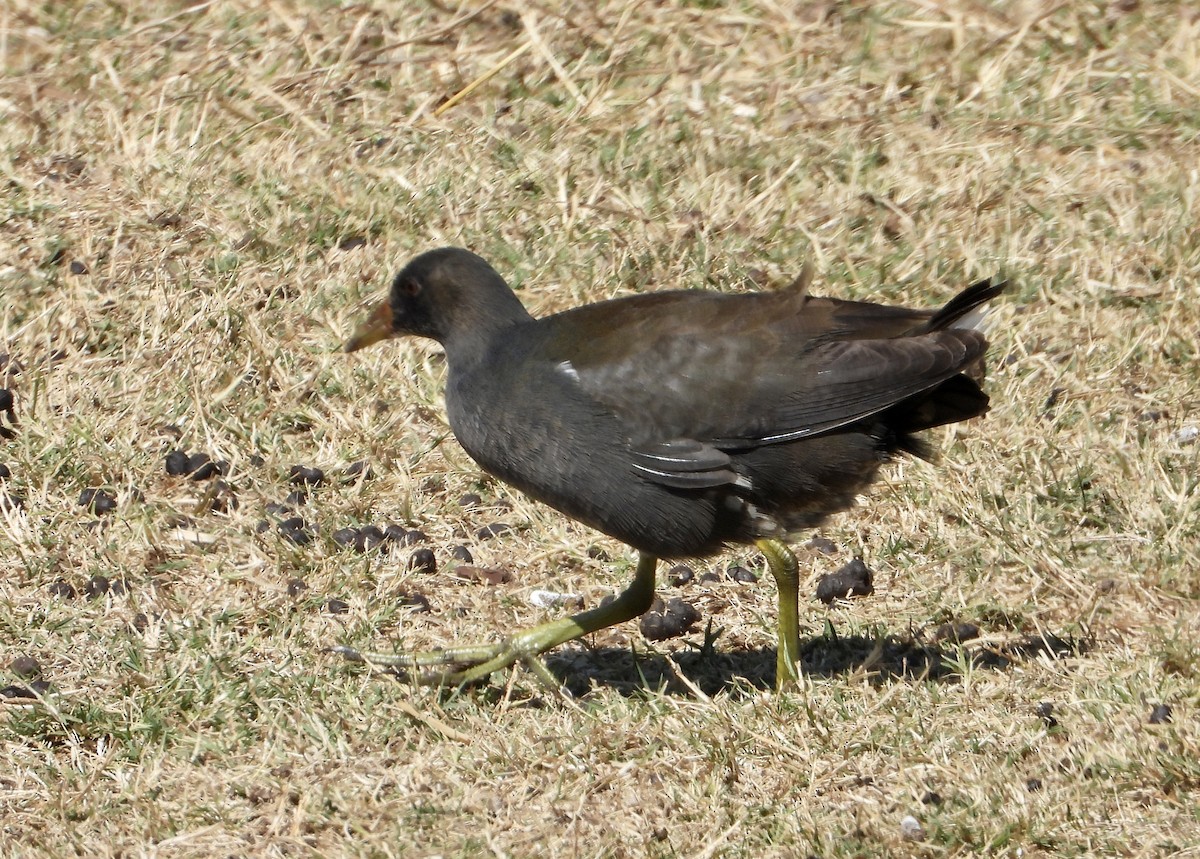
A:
(180, 185)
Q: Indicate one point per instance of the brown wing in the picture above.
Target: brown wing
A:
(691, 375)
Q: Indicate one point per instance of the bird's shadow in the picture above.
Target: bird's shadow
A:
(881, 658)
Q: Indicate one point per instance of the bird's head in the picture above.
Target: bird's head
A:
(442, 294)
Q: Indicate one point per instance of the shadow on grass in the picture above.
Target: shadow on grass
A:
(883, 658)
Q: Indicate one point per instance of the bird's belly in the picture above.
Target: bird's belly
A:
(578, 463)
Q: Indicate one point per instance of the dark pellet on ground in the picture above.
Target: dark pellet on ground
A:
(96, 587)
(1033, 785)
(296, 587)
(118, 587)
(680, 575)
(823, 545)
(345, 537)
(369, 538)
(395, 533)
(852, 580)
(672, 620)
(280, 510)
(683, 609)
(411, 538)
(337, 607)
(97, 501)
(709, 577)
(62, 589)
(423, 561)
(302, 475)
(374, 532)
(597, 553)
(469, 500)
(15, 692)
(358, 470)
(487, 532)
(296, 498)
(257, 461)
(351, 242)
(201, 467)
(77, 267)
(1161, 714)
(738, 573)
(177, 463)
(1045, 712)
(606, 599)
(6, 402)
(415, 600)
(296, 530)
(10, 501)
(140, 622)
(931, 797)
(262, 526)
(957, 632)
(4, 472)
(25, 667)
(462, 554)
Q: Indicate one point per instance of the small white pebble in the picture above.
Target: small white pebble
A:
(911, 829)
(1188, 434)
(550, 599)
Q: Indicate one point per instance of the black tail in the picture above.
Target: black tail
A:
(975, 295)
(958, 398)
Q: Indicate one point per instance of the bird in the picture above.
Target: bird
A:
(680, 422)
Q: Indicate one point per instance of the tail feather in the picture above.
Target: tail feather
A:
(966, 310)
(957, 399)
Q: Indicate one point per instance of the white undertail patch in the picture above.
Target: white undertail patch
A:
(976, 320)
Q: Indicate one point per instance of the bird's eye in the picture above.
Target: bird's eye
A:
(410, 287)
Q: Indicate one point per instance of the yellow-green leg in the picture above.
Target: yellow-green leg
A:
(481, 660)
(782, 563)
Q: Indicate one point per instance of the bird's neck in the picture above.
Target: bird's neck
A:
(478, 327)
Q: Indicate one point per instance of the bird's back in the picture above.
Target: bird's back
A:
(681, 421)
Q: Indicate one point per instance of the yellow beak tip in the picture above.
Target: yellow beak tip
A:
(376, 327)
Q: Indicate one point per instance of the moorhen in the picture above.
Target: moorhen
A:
(679, 422)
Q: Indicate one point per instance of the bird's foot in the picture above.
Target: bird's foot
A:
(457, 666)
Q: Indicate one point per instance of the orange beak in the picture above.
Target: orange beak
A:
(376, 327)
